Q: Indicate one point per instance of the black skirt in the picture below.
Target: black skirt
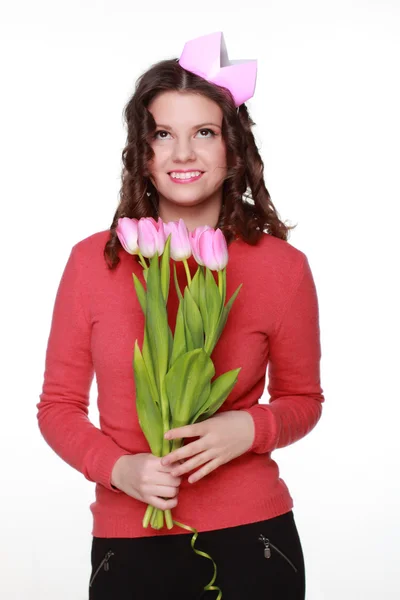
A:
(256, 561)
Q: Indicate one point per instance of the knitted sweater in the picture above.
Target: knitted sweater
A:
(96, 319)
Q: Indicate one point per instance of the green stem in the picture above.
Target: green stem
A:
(220, 283)
(142, 260)
(148, 515)
(154, 518)
(188, 276)
(176, 443)
(157, 519)
(165, 417)
(160, 519)
(168, 518)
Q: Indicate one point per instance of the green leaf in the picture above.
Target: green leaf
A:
(170, 344)
(187, 384)
(220, 390)
(214, 300)
(201, 401)
(165, 269)
(225, 312)
(148, 412)
(140, 292)
(194, 286)
(157, 322)
(179, 344)
(178, 289)
(203, 302)
(148, 361)
(188, 336)
(193, 319)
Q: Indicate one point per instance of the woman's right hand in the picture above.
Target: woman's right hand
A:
(143, 477)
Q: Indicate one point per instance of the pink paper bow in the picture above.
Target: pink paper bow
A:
(207, 57)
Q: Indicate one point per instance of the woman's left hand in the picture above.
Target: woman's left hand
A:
(223, 437)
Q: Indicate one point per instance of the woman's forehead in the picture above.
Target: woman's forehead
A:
(186, 109)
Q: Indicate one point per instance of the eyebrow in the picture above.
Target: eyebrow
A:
(194, 126)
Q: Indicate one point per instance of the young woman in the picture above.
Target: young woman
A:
(191, 155)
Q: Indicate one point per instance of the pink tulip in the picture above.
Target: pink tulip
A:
(213, 249)
(151, 236)
(194, 242)
(180, 243)
(127, 232)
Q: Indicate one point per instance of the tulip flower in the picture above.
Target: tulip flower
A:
(213, 249)
(127, 232)
(194, 242)
(151, 236)
(180, 243)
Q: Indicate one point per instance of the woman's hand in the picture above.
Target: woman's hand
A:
(223, 437)
(143, 477)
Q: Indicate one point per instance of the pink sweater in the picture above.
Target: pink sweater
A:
(96, 319)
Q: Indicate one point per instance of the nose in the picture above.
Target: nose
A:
(183, 150)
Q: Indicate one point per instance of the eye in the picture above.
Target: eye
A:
(160, 131)
(209, 131)
(158, 136)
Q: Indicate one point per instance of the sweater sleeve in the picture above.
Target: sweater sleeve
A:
(295, 403)
(63, 408)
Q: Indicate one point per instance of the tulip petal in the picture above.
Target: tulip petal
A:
(180, 243)
(146, 237)
(220, 249)
(206, 250)
(127, 232)
(185, 247)
(194, 242)
(160, 240)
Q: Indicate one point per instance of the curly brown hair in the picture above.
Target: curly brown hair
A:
(246, 211)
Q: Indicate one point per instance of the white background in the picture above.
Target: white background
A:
(327, 113)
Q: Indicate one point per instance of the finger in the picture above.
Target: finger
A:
(206, 470)
(162, 504)
(163, 491)
(183, 432)
(164, 468)
(193, 463)
(169, 479)
(184, 452)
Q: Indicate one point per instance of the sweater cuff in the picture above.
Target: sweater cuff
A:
(266, 429)
(104, 465)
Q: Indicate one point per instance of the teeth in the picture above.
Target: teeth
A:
(185, 175)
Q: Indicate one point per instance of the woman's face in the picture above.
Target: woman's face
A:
(188, 138)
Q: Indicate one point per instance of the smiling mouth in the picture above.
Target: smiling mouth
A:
(186, 178)
(184, 172)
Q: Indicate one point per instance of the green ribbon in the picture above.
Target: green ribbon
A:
(210, 585)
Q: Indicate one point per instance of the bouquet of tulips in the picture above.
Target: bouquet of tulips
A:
(173, 372)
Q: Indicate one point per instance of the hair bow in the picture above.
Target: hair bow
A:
(207, 57)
